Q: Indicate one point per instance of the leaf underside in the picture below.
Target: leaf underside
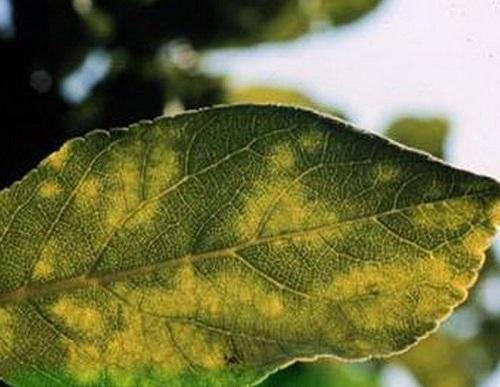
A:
(213, 247)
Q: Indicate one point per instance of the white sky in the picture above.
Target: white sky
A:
(425, 56)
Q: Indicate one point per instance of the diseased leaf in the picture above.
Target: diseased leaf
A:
(216, 246)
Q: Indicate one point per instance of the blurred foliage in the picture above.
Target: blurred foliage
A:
(269, 94)
(346, 11)
(323, 373)
(427, 134)
(153, 47)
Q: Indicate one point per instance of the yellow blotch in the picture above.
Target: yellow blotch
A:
(253, 296)
(137, 346)
(49, 189)
(84, 363)
(89, 190)
(127, 347)
(160, 347)
(79, 317)
(434, 270)
(283, 155)
(130, 171)
(270, 305)
(446, 215)
(459, 213)
(190, 294)
(56, 160)
(477, 240)
(113, 216)
(295, 211)
(312, 141)
(198, 348)
(421, 217)
(212, 352)
(373, 292)
(43, 269)
(7, 334)
(147, 213)
(495, 215)
(386, 172)
(281, 206)
(163, 169)
(434, 280)
(291, 213)
(194, 294)
(272, 209)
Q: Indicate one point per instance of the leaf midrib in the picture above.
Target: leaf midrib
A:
(84, 281)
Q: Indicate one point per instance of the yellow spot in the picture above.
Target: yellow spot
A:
(198, 348)
(270, 305)
(163, 168)
(43, 269)
(386, 172)
(7, 335)
(495, 215)
(50, 189)
(89, 190)
(56, 160)
(114, 215)
(165, 355)
(477, 240)
(147, 213)
(190, 293)
(127, 347)
(79, 317)
(312, 141)
(450, 215)
(283, 155)
(374, 292)
(280, 206)
(84, 363)
(434, 270)
(130, 171)
(292, 212)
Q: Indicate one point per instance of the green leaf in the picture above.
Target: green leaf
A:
(342, 12)
(427, 134)
(213, 247)
(262, 94)
(324, 374)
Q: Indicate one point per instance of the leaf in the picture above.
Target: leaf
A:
(342, 12)
(324, 374)
(428, 134)
(261, 94)
(213, 247)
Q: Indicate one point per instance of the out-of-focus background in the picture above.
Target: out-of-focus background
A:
(426, 73)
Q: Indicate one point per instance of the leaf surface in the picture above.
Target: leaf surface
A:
(213, 247)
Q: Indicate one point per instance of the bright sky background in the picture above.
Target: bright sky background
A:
(425, 56)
